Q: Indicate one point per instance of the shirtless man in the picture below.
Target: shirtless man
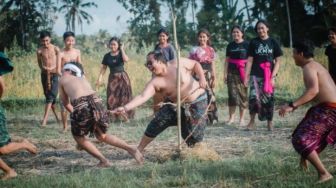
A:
(193, 96)
(68, 54)
(318, 128)
(88, 114)
(48, 58)
(6, 145)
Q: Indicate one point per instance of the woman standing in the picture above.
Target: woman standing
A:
(263, 65)
(169, 53)
(234, 74)
(331, 52)
(205, 55)
(119, 91)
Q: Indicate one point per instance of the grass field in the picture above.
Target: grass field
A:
(248, 158)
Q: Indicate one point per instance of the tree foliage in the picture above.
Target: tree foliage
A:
(74, 12)
(19, 19)
(22, 20)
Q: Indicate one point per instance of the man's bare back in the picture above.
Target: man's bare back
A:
(315, 72)
(75, 87)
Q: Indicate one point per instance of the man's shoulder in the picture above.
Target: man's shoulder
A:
(314, 67)
(56, 48)
(39, 50)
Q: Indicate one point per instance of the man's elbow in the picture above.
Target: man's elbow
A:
(313, 92)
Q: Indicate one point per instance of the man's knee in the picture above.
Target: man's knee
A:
(3, 151)
(101, 137)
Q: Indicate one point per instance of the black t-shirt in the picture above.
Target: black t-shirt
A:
(236, 51)
(115, 63)
(331, 53)
(263, 51)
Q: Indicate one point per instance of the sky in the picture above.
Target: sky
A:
(104, 17)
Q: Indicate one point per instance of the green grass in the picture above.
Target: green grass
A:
(276, 169)
(249, 159)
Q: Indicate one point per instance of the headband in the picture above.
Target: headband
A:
(74, 68)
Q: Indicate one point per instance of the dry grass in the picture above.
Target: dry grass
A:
(24, 82)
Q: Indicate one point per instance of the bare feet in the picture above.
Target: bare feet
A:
(137, 155)
(43, 123)
(270, 126)
(104, 164)
(304, 164)
(250, 126)
(65, 130)
(30, 147)
(325, 177)
(9, 175)
(241, 123)
(230, 121)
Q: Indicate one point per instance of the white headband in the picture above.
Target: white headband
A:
(73, 68)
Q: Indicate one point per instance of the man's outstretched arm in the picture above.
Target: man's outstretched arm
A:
(146, 94)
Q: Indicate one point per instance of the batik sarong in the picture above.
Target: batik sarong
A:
(212, 111)
(50, 86)
(4, 135)
(119, 92)
(193, 120)
(88, 116)
(259, 101)
(316, 130)
(236, 90)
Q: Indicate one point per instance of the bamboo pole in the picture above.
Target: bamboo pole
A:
(178, 83)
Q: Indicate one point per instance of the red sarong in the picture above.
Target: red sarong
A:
(316, 130)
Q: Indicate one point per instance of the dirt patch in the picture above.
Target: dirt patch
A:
(59, 154)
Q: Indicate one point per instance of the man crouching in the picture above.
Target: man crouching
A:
(88, 114)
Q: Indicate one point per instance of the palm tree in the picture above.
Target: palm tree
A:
(73, 10)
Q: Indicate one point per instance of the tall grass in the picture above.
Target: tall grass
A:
(24, 82)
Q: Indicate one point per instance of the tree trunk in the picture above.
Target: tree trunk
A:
(289, 25)
(193, 13)
(248, 13)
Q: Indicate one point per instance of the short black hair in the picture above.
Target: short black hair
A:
(158, 55)
(44, 34)
(258, 22)
(304, 46)
(68, 34)
(162, 30)
(333, 29)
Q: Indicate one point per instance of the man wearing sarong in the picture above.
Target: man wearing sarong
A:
(318, 127)
(88, 115)
(193, 98)
(6, 145)
(49, 59)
